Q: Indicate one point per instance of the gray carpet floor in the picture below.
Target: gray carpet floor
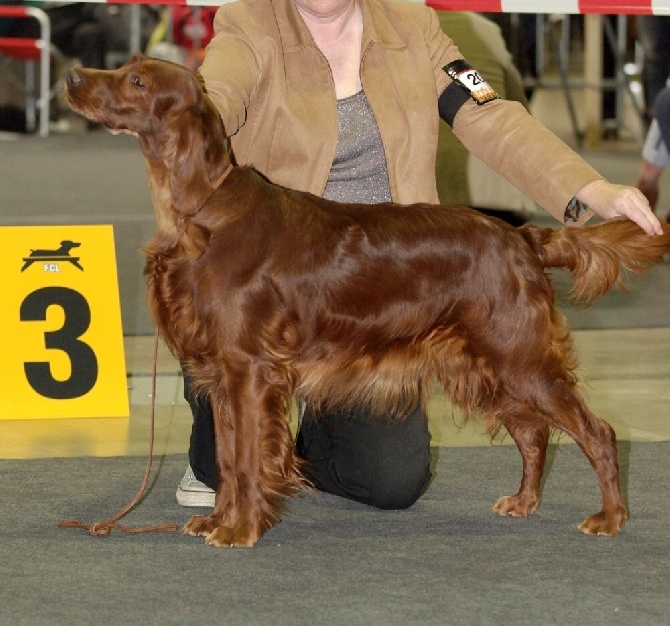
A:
(447, 560)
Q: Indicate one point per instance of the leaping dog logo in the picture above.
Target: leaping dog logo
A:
(53, 256)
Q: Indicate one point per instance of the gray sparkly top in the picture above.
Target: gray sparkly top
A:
(359, 171)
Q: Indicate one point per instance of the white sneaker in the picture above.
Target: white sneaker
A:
(191, 492)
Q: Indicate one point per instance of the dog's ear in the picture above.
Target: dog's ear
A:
(136, 58)
(200, 155)
(190, 184)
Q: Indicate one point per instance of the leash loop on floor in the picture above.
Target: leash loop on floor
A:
(105, 528)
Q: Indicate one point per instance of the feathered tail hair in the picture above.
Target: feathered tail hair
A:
(596, 255)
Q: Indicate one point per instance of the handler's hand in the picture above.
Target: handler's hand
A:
(609, 200)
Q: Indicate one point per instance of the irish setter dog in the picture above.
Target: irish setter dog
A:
(265, 293)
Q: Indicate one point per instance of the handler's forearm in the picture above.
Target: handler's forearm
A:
(531, 157)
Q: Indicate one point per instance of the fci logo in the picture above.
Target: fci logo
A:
(53, 257)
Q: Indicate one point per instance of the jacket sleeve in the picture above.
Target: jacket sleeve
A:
(509, 140)
(441, 49)
(230, 69)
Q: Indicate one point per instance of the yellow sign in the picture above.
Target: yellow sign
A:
(61, 338)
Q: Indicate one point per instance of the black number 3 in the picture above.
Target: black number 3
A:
(84, 364)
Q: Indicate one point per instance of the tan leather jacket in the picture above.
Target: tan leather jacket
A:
(275, 92)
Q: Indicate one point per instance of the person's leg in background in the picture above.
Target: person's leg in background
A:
(198, 485)
(653, 31)
(380, 462)
(383, 463)
(656, 150)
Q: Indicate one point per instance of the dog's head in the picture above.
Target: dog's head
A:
(166, 107)
(67, 245)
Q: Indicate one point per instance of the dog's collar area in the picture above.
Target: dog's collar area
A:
(216, 184)
(223, 176)
(121, 131)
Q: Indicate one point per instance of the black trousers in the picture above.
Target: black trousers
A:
(385, 464)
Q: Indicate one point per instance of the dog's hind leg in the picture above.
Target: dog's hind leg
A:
(531, 437)
(561, 405)
(597, 440)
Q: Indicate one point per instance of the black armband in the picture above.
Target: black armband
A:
(467, 84)
(450, 101)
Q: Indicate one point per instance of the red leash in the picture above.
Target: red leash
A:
(106, 527)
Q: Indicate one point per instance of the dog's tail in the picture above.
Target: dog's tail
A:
(596, 255)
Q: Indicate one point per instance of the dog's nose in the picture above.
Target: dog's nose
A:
(74, 78)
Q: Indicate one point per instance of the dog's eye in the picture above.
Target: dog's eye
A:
(137, 81)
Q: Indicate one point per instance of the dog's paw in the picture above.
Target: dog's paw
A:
(516, 506)
(201, 525)
(607, 524)
(221, 535)
(226, 537)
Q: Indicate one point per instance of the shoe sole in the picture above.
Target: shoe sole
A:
(201, 499)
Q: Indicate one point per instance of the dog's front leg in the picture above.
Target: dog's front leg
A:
(255, 459)
(222, 515)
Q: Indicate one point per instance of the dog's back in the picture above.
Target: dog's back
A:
(320, 280)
